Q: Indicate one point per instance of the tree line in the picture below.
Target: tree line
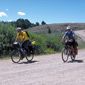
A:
(25, 23)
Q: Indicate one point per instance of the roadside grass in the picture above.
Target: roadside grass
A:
(47, 43)
(81, 45)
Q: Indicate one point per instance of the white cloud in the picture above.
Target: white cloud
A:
(21, 13)
(2, 14)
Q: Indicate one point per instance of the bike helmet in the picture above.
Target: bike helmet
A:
(18, 29)
(68, 28)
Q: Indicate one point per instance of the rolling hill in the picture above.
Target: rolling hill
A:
(56, 27)
(60, 28)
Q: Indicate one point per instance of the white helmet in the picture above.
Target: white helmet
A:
(18, 29)
(68, 28)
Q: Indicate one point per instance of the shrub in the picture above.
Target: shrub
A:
(47, 43)
(7, 35)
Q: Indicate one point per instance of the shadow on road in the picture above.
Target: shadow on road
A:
(28, 62)
(76, 61)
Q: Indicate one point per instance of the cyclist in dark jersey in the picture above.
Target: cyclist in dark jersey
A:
(69, 38)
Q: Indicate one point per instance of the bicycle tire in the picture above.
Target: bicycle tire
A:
(16, 56)
(30, 56)
(64, 55)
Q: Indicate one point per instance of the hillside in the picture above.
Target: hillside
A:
(59, 29)
(56, 27)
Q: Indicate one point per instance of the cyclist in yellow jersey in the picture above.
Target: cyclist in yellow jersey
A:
(23, 38)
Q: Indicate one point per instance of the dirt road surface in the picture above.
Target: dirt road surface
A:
(44, 70)
(81, 34)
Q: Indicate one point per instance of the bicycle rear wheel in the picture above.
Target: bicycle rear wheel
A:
(65, 55)
(16, 56)
(73, 57)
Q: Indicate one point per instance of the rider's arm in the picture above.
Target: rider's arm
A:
(63, 38)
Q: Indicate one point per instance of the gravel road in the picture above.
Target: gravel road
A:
(44, 70)
(81, 34)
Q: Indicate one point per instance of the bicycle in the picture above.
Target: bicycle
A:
(68, 51)
(19, 53)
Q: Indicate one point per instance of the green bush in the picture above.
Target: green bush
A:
(7, 36)
(47, 43)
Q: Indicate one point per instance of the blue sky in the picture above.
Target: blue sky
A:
(51, 11)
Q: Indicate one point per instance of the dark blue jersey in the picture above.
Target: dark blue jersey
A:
(69, 34)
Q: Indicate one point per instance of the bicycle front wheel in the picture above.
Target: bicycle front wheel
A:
(30, 56)
(15, 56)
(65, 55)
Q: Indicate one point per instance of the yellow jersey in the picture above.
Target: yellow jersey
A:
(22, 36)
